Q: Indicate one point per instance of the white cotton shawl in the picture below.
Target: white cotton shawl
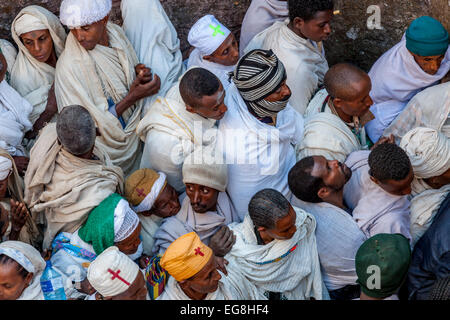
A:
(220, 71)
(303, 59)
(155, 40)
(338, 239)
(89, 78)
(9, 52)
(187, 220)
(258, 155)
(33, 291)
(14, 122)
(297, 276)
(149, 227)
(31, 78)
(260, 15)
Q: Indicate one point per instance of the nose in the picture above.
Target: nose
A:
(327, 28)
(223, 108)
(434, 66)
(334, 163)
(78, 34)
(196, 198)
(369, 102)
(286, 91)
(37, 48)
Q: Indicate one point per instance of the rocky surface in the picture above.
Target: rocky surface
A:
(352, 40)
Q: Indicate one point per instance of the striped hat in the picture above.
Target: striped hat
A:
(258, 74)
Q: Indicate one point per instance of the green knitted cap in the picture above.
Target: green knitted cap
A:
(98, 230)
(384, 255)
(427, 37)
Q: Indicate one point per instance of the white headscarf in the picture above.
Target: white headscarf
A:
(5, 167)
(78, 13)
(27, 23)
(125, 221)
(207, 34)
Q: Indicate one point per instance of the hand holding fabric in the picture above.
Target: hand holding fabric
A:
(222, 241)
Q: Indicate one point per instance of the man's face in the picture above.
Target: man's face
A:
(397, 188)
(166, 205)
(439, 181)
(3, 187)
(318, 28)
(227, 54)
(333, 173)
(206, 280)
(130, 244)
(360, 103)
(285, 227)
(136, 291)
(211, 107)
(203, 199)
(283, 93)
(429, 64)
(91, 35)
(39, 43)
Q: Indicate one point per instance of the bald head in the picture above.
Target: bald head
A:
(76, 130)
(343, 80)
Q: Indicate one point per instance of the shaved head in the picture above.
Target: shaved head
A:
(76, 130)
(340, 80)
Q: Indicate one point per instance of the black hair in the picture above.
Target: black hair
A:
(307, 9)
(388, 161)
(339, 79)
(302, 184)
(197, 83)
(4, 259)
(266, 207)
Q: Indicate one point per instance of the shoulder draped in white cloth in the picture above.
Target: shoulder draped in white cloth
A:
(258, 155)
(290, 267)
(303, 59)
(155, 40)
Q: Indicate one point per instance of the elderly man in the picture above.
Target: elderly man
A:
(318, 185)
(298, 44)
(115, 277)
(429, 108)
(336, 116)
(187, 117)
(216, 48)
(377, 193)
(195, 275)
(429, 152)
(258, 134)
(68, 174)
(276, 249)
(418, 61)
(99, 70)
(206, 210)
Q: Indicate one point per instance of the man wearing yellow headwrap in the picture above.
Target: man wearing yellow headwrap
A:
(40, 38)
(195, 274)
(429, 152)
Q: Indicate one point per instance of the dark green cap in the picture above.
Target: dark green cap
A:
(384, 255)
(427, 37)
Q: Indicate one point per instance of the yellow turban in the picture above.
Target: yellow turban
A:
(186, 256)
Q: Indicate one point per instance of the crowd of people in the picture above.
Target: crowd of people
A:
(250, 171)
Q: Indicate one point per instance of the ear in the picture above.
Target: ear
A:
(338, 103)
(323, 193)
(374, 180)
(29, 278)
(261, 229)
(189, 108)
(298, 22)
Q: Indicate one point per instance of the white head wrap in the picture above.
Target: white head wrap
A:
(78, 13)
(125, 221)
(5, 167)
(19, 257)
(28, 23)
(207, 34)
(112, 272)
(428, 150)
(151, 197)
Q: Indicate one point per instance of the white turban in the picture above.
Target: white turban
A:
(207, 34)
(5, 167)
(125, 221)
(78, 13)
(428, 150)
(112, 272)
(28, 23)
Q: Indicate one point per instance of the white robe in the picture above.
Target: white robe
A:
(374, 210)
(170, 133)
(338, 239)
(260, 15)
(303, 59)
(258, 155)
(9, 52)
(187, 220)
(277, 266)
(14, 122)
(396, 78)
(155, 40)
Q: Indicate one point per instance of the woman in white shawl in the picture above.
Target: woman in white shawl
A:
(40, 37)
(22, 267)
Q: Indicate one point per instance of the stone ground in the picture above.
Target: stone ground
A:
(351, 40)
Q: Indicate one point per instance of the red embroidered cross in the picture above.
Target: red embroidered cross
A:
(140, 192)
(197, 251)
(116, 275)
